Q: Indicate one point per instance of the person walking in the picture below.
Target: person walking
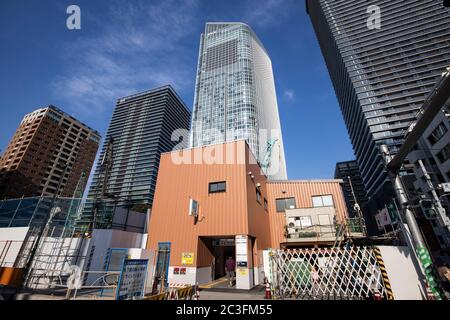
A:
(444, 273)
(315, 281)
(230, 266)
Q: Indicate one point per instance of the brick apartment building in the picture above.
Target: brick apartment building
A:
(48, 147)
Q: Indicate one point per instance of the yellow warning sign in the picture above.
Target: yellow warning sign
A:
(187, 258)
(242, 272)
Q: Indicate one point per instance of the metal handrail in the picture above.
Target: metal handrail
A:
(355, 225)
(7, 246)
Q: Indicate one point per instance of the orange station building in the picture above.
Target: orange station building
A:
(214, 202)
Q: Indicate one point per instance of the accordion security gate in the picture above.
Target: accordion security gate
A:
(351, 273)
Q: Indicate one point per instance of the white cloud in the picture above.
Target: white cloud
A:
(289, 95)
(267, 13)
(139, 45)
(136, 48)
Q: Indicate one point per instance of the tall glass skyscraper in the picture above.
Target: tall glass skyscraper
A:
(140, 130)
(235, 94)
(381, 76)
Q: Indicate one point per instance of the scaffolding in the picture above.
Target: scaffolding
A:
(59, 246)
(65, 235)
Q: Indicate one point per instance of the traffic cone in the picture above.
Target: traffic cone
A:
(268, 294)
(197, 292)
(377, 295)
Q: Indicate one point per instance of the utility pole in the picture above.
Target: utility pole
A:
(403, 201)
(417, 243)
(438, 98)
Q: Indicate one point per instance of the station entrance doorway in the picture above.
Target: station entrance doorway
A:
(223, 249)
(218, 250)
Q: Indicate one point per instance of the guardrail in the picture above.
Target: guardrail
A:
(323, 232)
(62, 279)
(9, 252)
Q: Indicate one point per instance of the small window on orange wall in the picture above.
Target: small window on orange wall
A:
(216, 187)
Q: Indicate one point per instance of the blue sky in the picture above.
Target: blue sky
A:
(129, 46)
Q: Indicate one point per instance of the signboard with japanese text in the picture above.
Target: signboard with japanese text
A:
(187, 258)
(224, 243)
(241, 245)
(132, 279)
(383, 218)
(242, 272)
(393, 214)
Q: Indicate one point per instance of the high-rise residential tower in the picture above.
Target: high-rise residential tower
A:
(352, 186)
(140, 130)
(235, 95)
(384, 57)
(49, 149)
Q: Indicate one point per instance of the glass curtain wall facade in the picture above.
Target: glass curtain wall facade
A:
(381, 76)
(235, 94)
(141, 129)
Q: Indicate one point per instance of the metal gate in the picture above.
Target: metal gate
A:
(348, 273)
(160, 279)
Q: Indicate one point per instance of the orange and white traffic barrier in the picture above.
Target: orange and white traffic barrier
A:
(268, 293)
(177, 285)
(377, 295)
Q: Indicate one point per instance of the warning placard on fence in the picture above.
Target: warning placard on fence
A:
(132, 279)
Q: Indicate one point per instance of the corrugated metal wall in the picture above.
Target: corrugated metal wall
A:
(221, 214)
(234, 212)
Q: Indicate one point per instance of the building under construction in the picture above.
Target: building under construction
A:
(42, 238)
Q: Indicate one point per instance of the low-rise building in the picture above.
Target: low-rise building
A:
(215, 202)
